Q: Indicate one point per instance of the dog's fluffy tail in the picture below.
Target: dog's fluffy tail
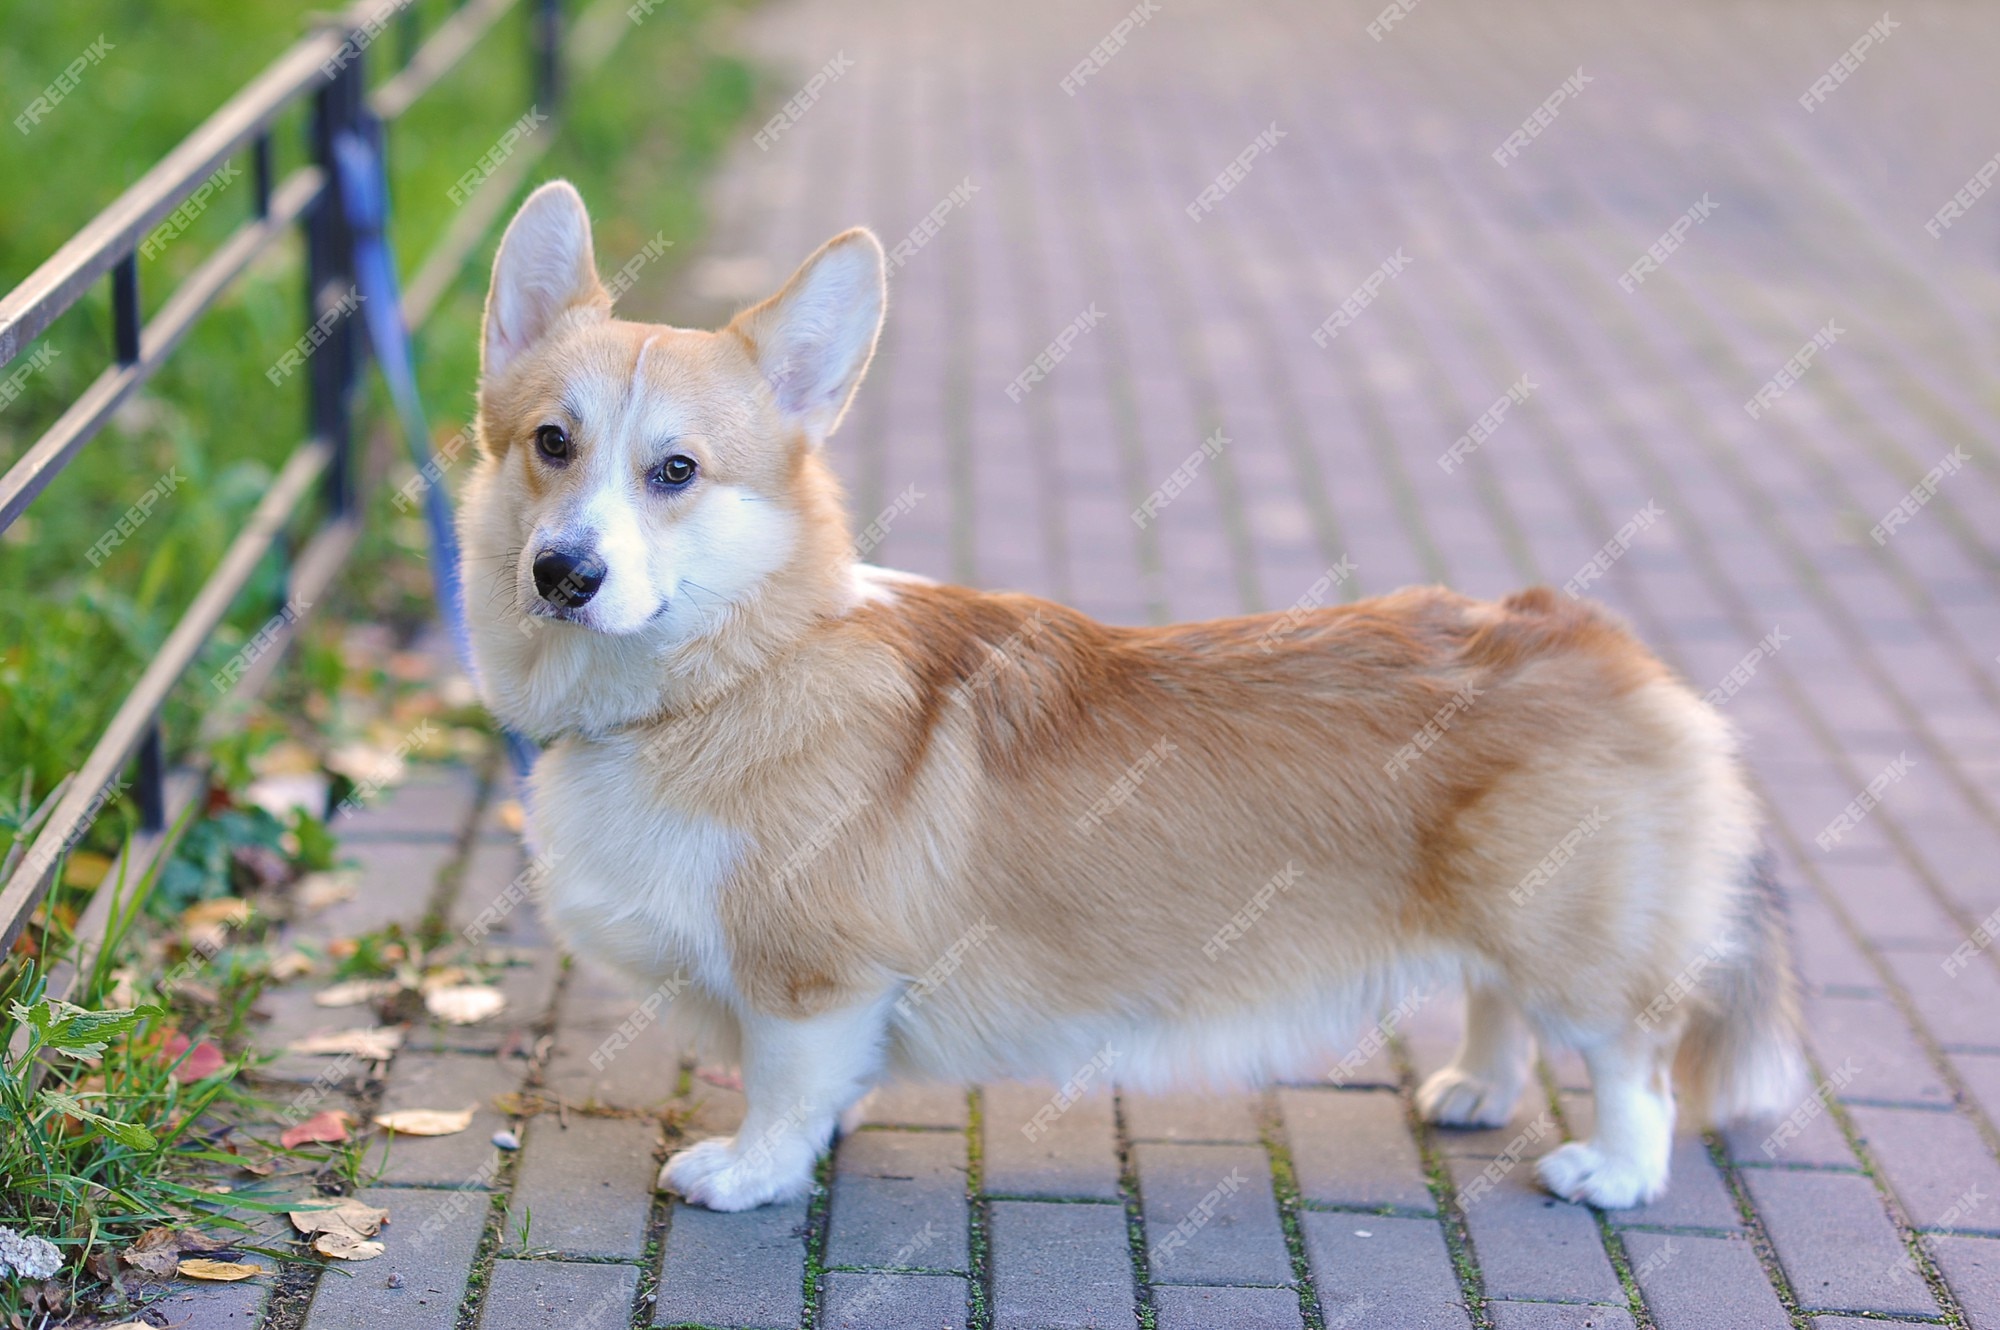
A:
(1741, 1055)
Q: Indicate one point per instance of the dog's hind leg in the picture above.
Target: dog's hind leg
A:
(1624, 1163)
(799, 1076)
(1485, 1078)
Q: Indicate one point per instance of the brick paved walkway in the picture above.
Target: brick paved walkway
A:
(1634, 419)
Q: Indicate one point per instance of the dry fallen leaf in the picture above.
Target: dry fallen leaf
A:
(342, 1214)
(448, 977)
(290, 965)
(354, 992)
(202, 1061)
(231, 910)
(221, 1271)
(347, 1247)
(377, 1043)
(464, 1004)
(316, 891)
(425, 1121)
(328, 1128)
(157, 1252)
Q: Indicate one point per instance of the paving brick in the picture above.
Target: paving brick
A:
(290, 1016)
(1531, 1245)
(899, 1201)
(397, 880)
(1210, 1215)
(1557, 1316)
(585, 1188)
(1191, 1116)
(429, 1244)
(1698, 1283)
(1185, 1307)
(1399, 1276)
(1856, 1323)
(1971, 1268)
(1834, 1238)
(1981, 1074)
(1076, 1155)
(1871, 1036)
(450, 1081)
(1957, 1009)
(1060, 1266)
(914, 1105)
(744, 1270)
(871, 1302)
(431, 803)
(1353, 1147)
(1937, 1164)
(594, 1063)
(576, 1297)
(1809, 1135)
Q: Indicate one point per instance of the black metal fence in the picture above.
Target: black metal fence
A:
(329, 72)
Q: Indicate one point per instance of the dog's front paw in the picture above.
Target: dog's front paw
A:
(715, 1174)
(1581, 1172)
(1454, 1098)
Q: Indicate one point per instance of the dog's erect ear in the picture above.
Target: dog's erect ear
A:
(812, 341)
(544, 269)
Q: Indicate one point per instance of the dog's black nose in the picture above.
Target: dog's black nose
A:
(567, 579)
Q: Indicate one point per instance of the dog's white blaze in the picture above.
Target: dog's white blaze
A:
(629, 596)
(631, 880)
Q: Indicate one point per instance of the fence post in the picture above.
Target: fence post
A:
(548, 55)
(335, 363)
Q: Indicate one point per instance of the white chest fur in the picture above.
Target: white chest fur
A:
(633, 882)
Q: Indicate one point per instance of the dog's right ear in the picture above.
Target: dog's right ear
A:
(544, 270)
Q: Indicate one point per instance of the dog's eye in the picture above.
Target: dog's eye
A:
(552, 442)
(673, 473)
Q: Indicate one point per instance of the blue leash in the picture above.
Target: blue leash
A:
(365, 187)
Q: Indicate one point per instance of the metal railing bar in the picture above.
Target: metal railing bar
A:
(46, 458)
(292, 486)
(439, 54)
(126, 317)
(262, 166)
(133, 861)
(47, 292)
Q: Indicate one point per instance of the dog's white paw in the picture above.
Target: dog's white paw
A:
(714, 1174)
(1581, 1172)
(1454, 1098)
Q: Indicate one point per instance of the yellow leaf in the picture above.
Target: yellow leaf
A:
(221, 1271)
(425, 1121)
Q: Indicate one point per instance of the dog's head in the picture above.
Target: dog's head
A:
(643, 483)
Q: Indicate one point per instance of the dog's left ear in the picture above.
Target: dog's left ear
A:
(812, 341)
(545, 269)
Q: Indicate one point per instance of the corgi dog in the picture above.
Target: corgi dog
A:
(865, 826)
